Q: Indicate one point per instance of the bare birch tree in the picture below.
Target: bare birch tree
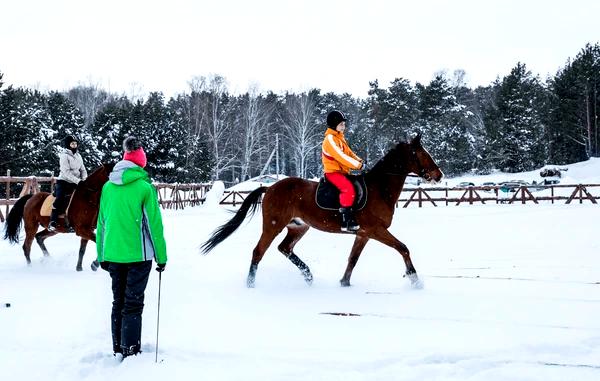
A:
(89, 99)
(212, 118)
(255, 119)
(301, 128)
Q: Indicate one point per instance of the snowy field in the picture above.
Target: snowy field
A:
(512, 292)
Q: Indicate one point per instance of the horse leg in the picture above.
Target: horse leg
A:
(384, 236)
(30, 230)
(266, 238)
(357, 248)
(82, 247)
(41, 237)
(87, 235)
(296, 230)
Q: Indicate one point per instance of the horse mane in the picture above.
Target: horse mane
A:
(98, 177)
(391, 160)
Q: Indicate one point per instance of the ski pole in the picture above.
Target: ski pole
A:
(158, 315)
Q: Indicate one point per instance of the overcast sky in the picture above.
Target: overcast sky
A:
(284, 45)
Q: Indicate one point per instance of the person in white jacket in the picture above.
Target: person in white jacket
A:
(72, 171)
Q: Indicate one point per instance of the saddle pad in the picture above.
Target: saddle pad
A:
(47, 206)
(328, 196)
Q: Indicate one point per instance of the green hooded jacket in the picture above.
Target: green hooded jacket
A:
(130, 226)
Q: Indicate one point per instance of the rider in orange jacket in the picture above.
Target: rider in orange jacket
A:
(338, 160)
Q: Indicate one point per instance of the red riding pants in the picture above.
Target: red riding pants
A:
(341, 182)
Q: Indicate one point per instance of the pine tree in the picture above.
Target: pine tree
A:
(190, 155)
(26, 133)
(151, 126)
(443, 121)
(519, 136)
(575, 103)
(67, 120)
(112, 124)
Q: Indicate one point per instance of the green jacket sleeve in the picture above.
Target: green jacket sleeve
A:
(156, 226)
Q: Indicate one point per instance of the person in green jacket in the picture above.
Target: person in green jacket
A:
(129, 235)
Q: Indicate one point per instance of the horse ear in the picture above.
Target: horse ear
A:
(416, 140)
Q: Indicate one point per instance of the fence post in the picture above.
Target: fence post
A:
(7, 189)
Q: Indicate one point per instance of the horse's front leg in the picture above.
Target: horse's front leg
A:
(90, 236)
(357, 248)
(86, 234)
(82, 247)
(384, 236)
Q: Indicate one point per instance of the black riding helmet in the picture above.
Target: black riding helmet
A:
(334, 118)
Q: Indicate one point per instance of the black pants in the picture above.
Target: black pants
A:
(62, 190)
(129, 282)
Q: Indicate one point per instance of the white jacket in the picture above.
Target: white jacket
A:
(71, 167)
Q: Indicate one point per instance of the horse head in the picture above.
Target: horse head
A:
(421, 163)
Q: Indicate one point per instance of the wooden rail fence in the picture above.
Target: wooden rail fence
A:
(171, 196)
(422, 196)
(178, 196)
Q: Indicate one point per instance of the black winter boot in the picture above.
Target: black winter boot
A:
(134, 350)
(53, 219)
(349, 224)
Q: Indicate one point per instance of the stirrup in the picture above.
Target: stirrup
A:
(51, 226)
(350, 229)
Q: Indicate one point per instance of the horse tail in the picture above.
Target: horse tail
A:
(250, 204)
(15, 219)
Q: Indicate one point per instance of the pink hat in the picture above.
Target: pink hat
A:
(134, 151)
(138, 157)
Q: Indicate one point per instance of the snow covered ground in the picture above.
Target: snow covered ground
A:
(512, 292)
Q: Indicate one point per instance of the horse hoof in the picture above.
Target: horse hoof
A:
(345, 283)
(250, 283)
(415, 282)
(308, 277)
(79, 268)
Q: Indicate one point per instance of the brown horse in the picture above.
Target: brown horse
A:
(82, 215)
(291, 203)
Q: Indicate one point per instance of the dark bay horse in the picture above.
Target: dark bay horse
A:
(291, 203)
(82, 215)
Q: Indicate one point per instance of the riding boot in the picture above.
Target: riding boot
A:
(349, 224)
(53, 220)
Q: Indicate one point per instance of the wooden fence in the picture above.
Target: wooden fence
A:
(522, 194)
(27, 185)
(435, 196)
(178, 196)
(171, 196)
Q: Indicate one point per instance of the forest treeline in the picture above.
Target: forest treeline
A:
(517, 123)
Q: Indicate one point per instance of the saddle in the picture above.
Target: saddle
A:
(327, 195)
(46, 208)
